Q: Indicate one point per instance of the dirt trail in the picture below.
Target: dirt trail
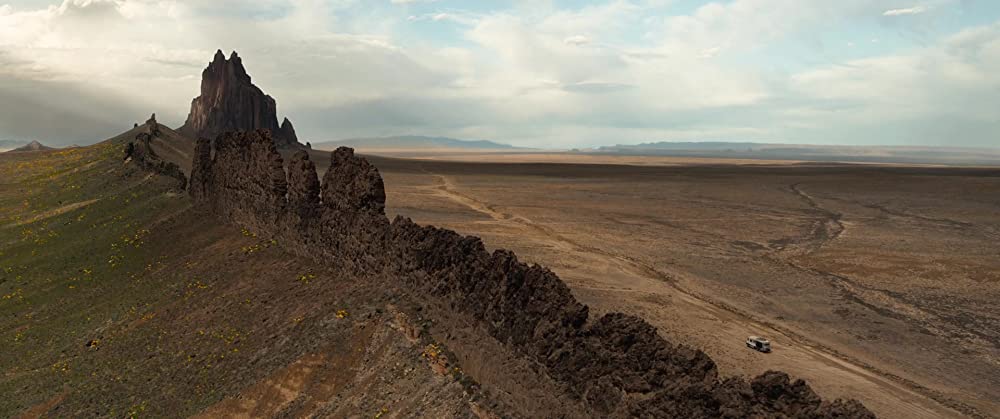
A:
(887, 395)
(53, 212)
(824, 230)
(40, 410)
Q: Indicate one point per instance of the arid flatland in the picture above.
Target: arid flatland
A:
(873, 282)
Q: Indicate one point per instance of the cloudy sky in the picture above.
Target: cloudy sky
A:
(528, 72)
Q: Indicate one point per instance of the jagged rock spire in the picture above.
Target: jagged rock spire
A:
(230, 101)
(287, 130)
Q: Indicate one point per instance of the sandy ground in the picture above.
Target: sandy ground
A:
(874, 283)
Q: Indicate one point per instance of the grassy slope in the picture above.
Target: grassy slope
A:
(118, 299)
(137, 305)
(75, 241)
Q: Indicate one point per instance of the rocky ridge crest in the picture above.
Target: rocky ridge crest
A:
(140, 152)
(614, 366)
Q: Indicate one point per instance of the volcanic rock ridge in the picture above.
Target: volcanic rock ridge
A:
(613, 366)
(140, 151)
(229, 101)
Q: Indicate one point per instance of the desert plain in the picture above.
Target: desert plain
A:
(873, 282)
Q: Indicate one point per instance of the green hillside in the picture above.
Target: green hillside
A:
(78, 240)
(117, 299)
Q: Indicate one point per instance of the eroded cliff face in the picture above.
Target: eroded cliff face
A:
(614, 366)
(229, 101)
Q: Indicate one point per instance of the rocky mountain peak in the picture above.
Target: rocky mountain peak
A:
(287, 130)
(33, 146)
(230, 101)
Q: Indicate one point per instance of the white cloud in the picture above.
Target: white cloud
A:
(950, 84)
(613, 72)
(746, 25)
(710, 52)
(460, 18)
(577, 40)
(915, 10)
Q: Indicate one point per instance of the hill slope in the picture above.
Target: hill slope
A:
(118, 299)
(121, 296)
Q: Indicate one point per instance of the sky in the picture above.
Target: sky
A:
(538, 73)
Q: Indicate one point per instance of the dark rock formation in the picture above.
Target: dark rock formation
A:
(201, 179)
(353, 184)
(248, 180)
(287, 132)
(153, 127)
(229, 101)
(615, 366)
(140, 152)
(303, 186)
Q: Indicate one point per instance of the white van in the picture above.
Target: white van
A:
(759, 344)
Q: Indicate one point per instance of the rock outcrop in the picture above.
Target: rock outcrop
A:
(152, 126)
(140, 152)
(616, 365)
(287, 132)
(229, 101)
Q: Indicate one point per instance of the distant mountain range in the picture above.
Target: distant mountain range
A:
(816, 153)
(32, 146)
(413, 142)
